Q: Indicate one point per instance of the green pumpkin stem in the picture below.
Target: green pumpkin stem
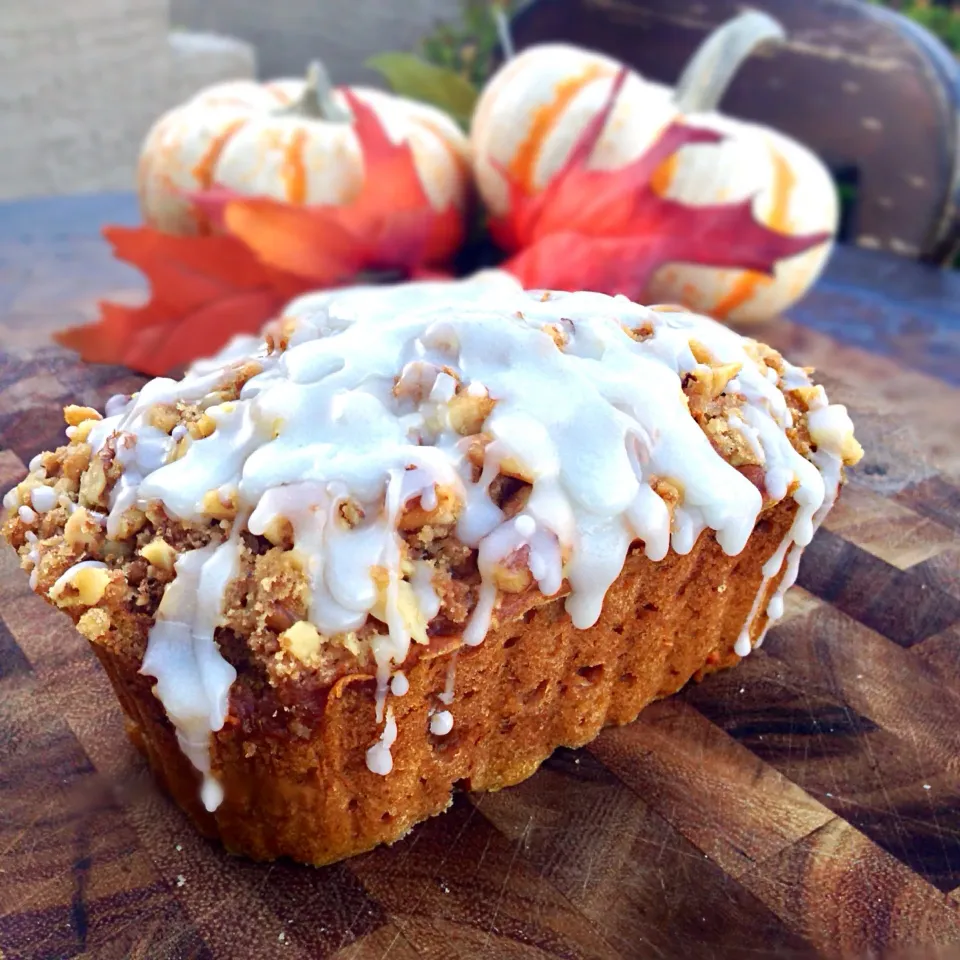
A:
(317, 101)
(502, 22)
(710, 70)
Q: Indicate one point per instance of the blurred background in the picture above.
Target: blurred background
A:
(82, 80)
(868, 84)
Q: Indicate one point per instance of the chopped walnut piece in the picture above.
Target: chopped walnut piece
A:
(516, 501)
(350, 512)
(277, 334)
(181, 447)
(447, 509)
(668, 308)
(302, 641)
(476, 449)
(75, 415)
(89, 584)
(130, 523)
(557, 334)
(763, 355)
(830, 428)
(76, 459)
(721, 375)
(419, 378)
(468, 412)
(668, 491)
(279, 531)
(220, 505)
(80, 433)
(94, 624)
(81, 531)
(706, 382)
(640, 333)
(159, 553)
(93, 484)
(729, 442)
(700, 353)
(512, 573)
(512, 467)
(163, 416)
(202, 427)
(852, 451)
(241, 374)
(407, 605)
(810, 396)
(279, 618)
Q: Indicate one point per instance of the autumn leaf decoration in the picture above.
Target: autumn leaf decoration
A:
(206, 289)
(609, 231)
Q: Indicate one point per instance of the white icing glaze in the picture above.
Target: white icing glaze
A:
(830, 426)
(43, 499)
(357, 410)
(379, 758)
(27, 514)
(441, 723)
(451, 680)
(193, 680)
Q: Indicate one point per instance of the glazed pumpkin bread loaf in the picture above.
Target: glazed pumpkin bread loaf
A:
(420, 537)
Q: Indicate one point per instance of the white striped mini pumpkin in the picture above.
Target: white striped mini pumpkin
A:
(290, 140)
(537, 105)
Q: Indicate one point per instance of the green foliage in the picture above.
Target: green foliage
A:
(941, 20)
(454, 62)
(411, 76)
(470, 47)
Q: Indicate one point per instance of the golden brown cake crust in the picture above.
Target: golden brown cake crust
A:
(266, 679)
(534, 684)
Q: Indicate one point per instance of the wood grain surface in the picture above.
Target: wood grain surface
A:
(804, 804)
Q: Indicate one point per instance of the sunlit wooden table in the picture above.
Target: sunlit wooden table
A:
(806, 803)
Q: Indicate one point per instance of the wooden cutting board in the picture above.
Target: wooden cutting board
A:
(807, 802)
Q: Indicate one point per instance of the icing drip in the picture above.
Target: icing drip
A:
(450, 684)
(43, 499)
(830, 426)
(441, 723)
(379, 758)
(375, 409)
(193, 680)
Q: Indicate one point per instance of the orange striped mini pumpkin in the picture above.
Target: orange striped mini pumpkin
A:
(537, 105)
(292, 140)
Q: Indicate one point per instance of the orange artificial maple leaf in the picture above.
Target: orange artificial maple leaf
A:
(205, 289)
(609, 231)
(391, 225)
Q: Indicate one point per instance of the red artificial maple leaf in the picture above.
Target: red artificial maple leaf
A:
(205, 289)
(609, 231)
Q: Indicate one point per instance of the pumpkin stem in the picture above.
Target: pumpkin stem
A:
(502, 22)
(317, 101)
(710, 70)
